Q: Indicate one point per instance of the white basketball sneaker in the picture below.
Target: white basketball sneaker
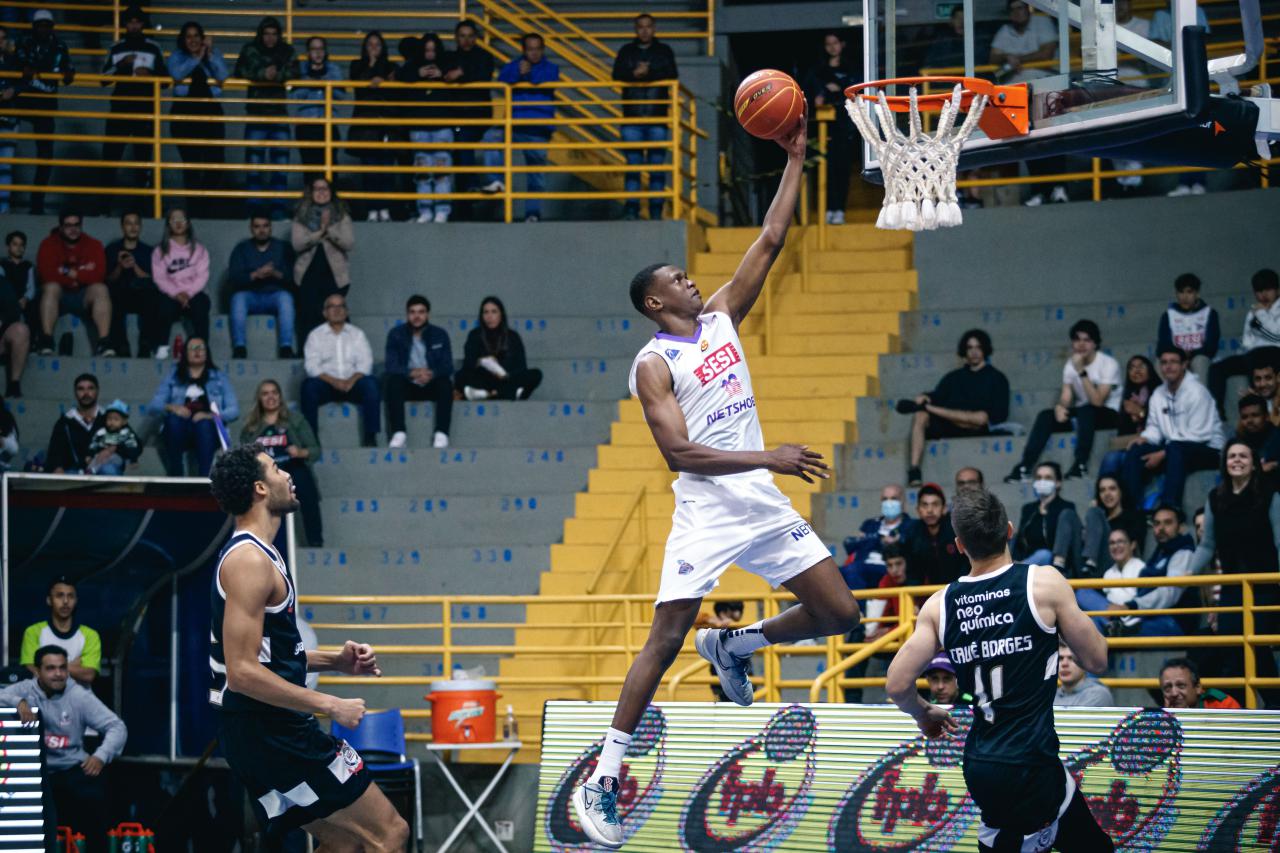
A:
(596, 806)
(731, 669)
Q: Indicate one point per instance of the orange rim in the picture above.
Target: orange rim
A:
(1007, 112)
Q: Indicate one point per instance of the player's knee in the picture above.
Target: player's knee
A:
(665, 645)
(841, 616)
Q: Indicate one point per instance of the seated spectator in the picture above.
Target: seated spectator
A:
(969, 478)
(1261, 329)
(322, 237)
(1075, 690)
(493, 360)
(1263, 380)
(1049, 530)
(932, 556)
(72, 776)
(941, 675)
(81, 644)
(426, 60)
(1172, 559)
(20, 274)
(17, 289)
(291, 442)
(261, 277)
(1139, 383)
(72, 267)
(374, 66)
(267, 63)
(967, 402)
(115, 444)
(316, 65)
(180, 265)
(1111, 510)
(1180, 684)
(69, 442)
(132, 289)
(895, 575)
(645, 63)
(198, 70)
(1126, 565)
(197, 401)
(1089, 400)
(1183, 433)
(865, 566)
(1190, 325)
(532, 68)
(1256, 430)
(135, 55)
(9, 447)
(339, 365)
(419, 366)
(41, 51)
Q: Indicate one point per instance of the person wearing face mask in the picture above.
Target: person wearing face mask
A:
(865, 565)
(1049, 530)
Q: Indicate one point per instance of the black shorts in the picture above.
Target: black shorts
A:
(1031, 808)
(294, 772)
(943, 428)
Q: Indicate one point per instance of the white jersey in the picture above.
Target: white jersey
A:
(712, 386)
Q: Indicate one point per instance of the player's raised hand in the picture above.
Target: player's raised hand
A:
(357, 659)
(797, 460)
(936, 721)
(347, 712)
(796, 141)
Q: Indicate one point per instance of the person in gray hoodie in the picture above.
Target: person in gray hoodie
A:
(72, 777)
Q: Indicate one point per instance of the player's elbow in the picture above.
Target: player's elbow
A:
(773, 237)
(240, 676)
(898, 685)
(1096, 661)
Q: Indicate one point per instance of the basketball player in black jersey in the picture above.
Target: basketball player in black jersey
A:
(1000, 626)
(295, 773)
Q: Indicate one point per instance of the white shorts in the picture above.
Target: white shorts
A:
(720, 522)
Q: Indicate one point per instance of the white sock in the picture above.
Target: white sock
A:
(741, 642)
(611, 755)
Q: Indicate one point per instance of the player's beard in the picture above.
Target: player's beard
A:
(285, 502)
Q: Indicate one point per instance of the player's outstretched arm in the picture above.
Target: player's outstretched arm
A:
(906, 667)
(1053, 593)
(666, 422)
(352, 659)
(737, 297)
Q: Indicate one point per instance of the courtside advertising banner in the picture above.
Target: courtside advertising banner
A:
(861, 778)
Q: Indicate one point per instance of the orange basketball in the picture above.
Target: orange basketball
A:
(768, 103)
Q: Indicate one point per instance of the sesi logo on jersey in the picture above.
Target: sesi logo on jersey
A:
(716, 363)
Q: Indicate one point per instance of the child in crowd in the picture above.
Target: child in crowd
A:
(115, 444)
(1190, 324)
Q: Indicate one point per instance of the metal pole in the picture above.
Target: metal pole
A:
(157, 207)
(676, 177)
(969, 60)
(507, 202)
(328, 133)
(1097, 178)
(4, 561)
(1250, 660)
(822, 183)
(173, 668)
(288, 21)
(711, 28)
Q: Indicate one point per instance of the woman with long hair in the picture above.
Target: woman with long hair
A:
(375, 66)
(1126, 564)
(1140, 380)
(290, 441)
(198, 69)
(323, 237)
(493, 359)
(194, 397)
(1110, 511)
(180, 269)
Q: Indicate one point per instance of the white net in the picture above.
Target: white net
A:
(919, 170)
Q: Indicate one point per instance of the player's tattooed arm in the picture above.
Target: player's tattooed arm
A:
(1055, 595)
(906, 667)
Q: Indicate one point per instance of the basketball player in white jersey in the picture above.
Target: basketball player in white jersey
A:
(693, 383)
(296, 774)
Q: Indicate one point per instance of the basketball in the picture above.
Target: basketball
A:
(768, 103)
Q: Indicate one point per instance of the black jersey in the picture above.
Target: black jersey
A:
(1008, 660)
(282, 650)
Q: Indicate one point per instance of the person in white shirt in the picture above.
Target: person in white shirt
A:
(1119, 601)
(1183, 433)
(1090, 398)
(339, 366)
(1025, 38)
(1261, 329)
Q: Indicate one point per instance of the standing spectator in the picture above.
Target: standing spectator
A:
(316, 65)
(967, 402)
(419, 366)
(1119, 600)
(267, 63)
(322, 236)
(1242, 523)
(932, 556)
(115, 445)
(135, 55)
(493, 359)
(290, 441)
(1261, 329)
(824, 86)
(196, 401)
(1074, 689)
(73, 776)
(180, 265)
(11, 88)
(941, 675)
(426, 61)
(969, 478)
(69, 441)
(374, 67)
(1111, 510)
(1049, 530)
(261, 277)
(339, 365)
(643, 63)
(81, 644)
(532, 69)
(17, 290)
(41, 54)
(1183, 432)
(1190, 324)
(1090, 397)
(1181, 688)
(1171, 558)
(865, 566)
(474, 65)
(72, 267)
(132, 289)
(198, 69)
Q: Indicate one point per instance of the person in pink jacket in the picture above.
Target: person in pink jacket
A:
(180, 267)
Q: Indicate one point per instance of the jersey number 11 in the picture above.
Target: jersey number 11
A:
(980, 691)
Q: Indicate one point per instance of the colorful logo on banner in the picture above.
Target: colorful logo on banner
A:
(1250, 820)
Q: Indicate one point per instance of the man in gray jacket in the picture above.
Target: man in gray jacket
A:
(73, 777)
(1074, 690)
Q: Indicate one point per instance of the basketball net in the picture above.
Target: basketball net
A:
(919, 170)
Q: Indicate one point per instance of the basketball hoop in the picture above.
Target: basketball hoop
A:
(920, 170)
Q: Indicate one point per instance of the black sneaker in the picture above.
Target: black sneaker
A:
(104, 349)
(239, 352)
(286, 352)
(1019, 474)
(12, 390)
(907, 407)
(66, 344)
(914, 477)
(44, 345)
(1077, 470)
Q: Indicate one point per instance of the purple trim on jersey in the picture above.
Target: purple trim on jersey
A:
(697, 333)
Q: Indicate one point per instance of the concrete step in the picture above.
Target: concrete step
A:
(454, 471)
(425, 570)
(478, 521)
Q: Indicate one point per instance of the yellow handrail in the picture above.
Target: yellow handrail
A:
(875, 646)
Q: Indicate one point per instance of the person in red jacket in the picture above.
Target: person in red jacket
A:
(72, 267)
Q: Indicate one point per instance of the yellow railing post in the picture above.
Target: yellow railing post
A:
(446, 636)
(157, 199)
(804, 200)
(677, 182)
(328, 132)
(115, 21)
(693, 162)
(822, 182)
(288, 21)
(1250, 661)
(462, 10)
(1096, 167)
(711, 27)
(507, 160)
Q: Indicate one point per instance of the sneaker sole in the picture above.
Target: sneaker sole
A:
(588, 828)
(700, 643)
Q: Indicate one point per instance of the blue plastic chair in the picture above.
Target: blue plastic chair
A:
(380, 741)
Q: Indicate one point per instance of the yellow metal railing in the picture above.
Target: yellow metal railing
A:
(588, 139)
